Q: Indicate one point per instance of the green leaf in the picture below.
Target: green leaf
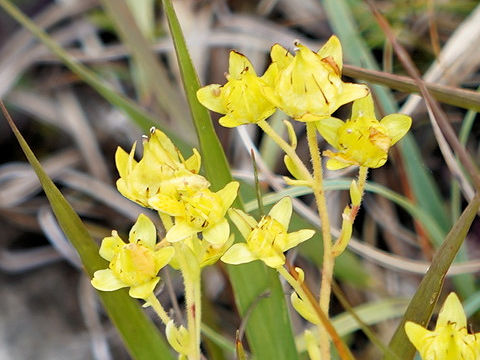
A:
(423, 302)
(141, 337)
(269, 330)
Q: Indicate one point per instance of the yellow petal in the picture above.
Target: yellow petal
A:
(228, 195)
(363, 108)
(166, 204)
(396, 125)
(161, 145)
(297, 237)
(217, 234)
(145, 290)
(231, 120)
(280, 56)
(351, 92)
(193, 163)
(274, 260)
(105, 280)
(180, 231)
(143, 232)
(282, 211)
(238, 254)
(244, 222)
(121, 160)
(416, 334)
(110, 245)
(332, 48)
(238, 64)
(328, 128)
(452, 312)
(210, 96)
(163, 256)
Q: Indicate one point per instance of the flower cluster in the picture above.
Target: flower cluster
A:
(165, 181)
(308, 87)
(450, 339)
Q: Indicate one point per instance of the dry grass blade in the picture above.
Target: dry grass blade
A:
(17, 183)
(83, 134)
(463, 98)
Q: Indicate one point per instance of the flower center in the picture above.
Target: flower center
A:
(203, 208)
(268, 236)
(134, 264)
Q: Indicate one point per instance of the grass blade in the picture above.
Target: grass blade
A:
(141, 337)
(268, 328)
(422, 304)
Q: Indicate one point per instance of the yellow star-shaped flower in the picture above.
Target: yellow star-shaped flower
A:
(162, 170)
(362, 140)
(134, 265)
(241, 99)
(199, 211)
(450, 340)
(308, 86)
(266, 240)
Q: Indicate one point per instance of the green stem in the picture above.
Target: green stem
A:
(328, 259)
(362, 180)
(158, 308)
(191, 280)
(290, 151)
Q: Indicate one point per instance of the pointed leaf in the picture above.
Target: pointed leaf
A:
(141, 337)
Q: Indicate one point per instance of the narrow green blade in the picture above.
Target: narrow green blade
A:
(423, 302)
(268, 328)
(141, 337)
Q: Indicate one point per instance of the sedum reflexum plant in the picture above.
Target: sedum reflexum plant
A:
(308, 87)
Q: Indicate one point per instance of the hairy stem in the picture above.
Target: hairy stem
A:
(328, 259)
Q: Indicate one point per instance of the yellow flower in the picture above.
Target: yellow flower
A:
(308, 86)
(200, 253)
(135, 264)
(161, 170)
(199, 211)
(450, 340)
(266, 240)
(362, 140)
(241, 98)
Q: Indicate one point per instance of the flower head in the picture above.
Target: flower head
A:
(362, 140)
(199, 211)
(134, 264)
(162, 170)
(241, 99)
(450, 340)
(266, 240)
(200, 253)
(308, 86)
